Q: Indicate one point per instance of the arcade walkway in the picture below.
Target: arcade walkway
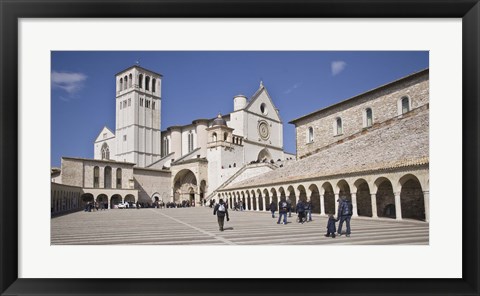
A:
(198, 226)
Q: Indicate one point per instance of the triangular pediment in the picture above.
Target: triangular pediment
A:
(261, 103)
(104, 134)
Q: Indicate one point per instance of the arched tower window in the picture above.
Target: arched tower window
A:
(96, 177)
(225, 136)
(154, 82)
(119, 178)
(338, 126)
(130, 80)
(105, 151)
(140, 81)
(368, 117)
(121, 84)
(405, 105)
(214, 137)
(310, 134)
(147, 82)
(126, 82)
(108, 177)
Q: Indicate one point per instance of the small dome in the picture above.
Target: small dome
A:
(219, 121)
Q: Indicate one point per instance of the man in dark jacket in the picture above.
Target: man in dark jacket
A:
(221, 211)
(282, 210)
(300, 210)
(345, 211)
(273, 208)
(308, 210)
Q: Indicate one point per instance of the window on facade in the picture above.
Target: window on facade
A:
(153, 106)
(130, 80)
(147, 82)
(310, 134)
(119, 178)
(124, 104)
(405, 105)
(167, 148)
(190, 142)
(154, 81)
(121, 105)
(124, 137)
(121, 83)
(129, 102)
(108, 177)
(126, 82)
(369, 117)
(141, 102)
(225, 136)
(96, 174)
(105, 151)
(214, 137)
(140, 81)
(339, 129)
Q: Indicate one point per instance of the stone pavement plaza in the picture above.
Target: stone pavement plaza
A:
(198, 226)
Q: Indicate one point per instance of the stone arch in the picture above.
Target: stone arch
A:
(86, 198)
(185, 182)
(253, 201)
(314, 198)
(264, 155)
(274, 195)
(385, 198)
(259, 200)
(343, 189)
(302, 193)
(282, 193)
(102, 199)
(115, 200)
(130, 198)
(411, 198)
(267, 198)
(329, 198)
(364, 198)
(203, 188)
(156, 198)
(291, 195)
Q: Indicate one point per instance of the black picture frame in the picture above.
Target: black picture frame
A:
(11, 11)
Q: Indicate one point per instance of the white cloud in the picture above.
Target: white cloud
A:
(292, 88)
(69, 82)
(338, 67)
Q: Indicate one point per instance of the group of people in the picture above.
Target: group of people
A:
(95, 206)
(304, 211)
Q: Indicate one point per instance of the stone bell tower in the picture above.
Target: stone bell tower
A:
(138, 109)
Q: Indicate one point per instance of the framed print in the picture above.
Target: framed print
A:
(98, 233)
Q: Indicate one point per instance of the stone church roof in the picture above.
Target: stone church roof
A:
(403, 143)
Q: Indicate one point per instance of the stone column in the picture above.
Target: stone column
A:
(354, 204)
(337, 204)
(322, 205)
(426, 200)
(258, 203)
(109, 202)
(263, 202)
(374, 205)
(398, 206)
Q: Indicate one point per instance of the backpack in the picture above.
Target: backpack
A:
(221, 207)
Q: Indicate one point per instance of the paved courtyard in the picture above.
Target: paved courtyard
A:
(198, 226)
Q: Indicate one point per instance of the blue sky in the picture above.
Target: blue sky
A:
(200, 84)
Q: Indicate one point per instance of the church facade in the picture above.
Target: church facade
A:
(372, 149)
(140, 162)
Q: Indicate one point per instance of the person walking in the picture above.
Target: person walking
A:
(273, 208)
(221, 211)
(300, 210)
(308, 210)
(331, 226)
(345, 211)
(282, 210)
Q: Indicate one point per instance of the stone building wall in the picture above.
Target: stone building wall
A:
(383, 101)
(151, 182)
